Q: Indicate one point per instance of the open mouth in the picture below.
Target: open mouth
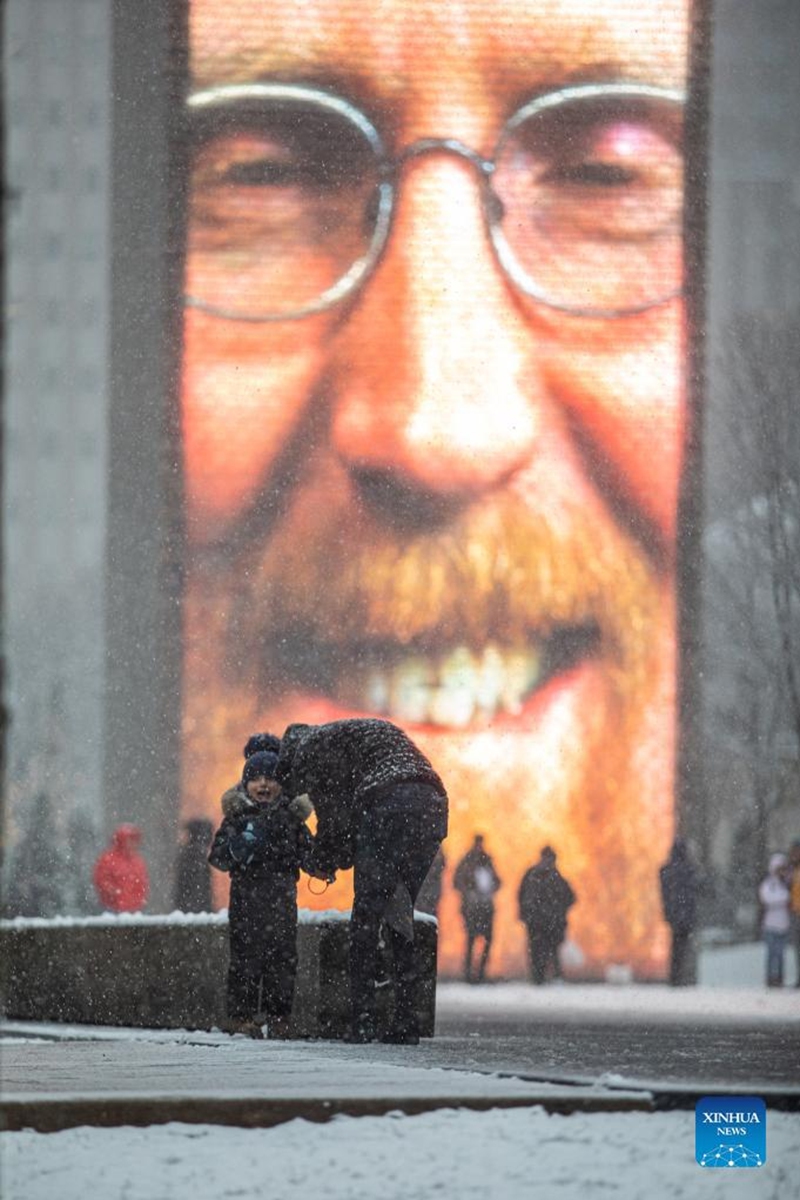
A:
(455, 687)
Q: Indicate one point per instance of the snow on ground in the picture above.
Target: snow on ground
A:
(510, 1154)
(506, 1153)
(639, 1003)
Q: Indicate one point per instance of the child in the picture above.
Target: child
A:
(263, 842)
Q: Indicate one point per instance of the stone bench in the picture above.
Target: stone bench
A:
(169, 972)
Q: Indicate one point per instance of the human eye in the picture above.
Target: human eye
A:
(268, 168)
(278, 144)
(603, 168)
(281, 195)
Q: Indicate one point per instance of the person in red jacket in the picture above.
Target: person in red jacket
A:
(120, 873)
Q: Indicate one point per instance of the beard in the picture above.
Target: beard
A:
(530, 655)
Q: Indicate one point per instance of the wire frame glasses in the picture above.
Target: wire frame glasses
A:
(292, 191)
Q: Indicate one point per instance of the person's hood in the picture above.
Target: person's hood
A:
(777, 862)
(127, 838)
(236, 801)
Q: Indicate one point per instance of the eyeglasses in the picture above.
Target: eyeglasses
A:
(292, 192)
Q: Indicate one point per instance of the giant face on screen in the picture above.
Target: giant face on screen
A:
(433, 414)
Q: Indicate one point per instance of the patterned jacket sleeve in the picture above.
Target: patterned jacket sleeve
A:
(333, 845)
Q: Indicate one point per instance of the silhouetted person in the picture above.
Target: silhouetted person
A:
(679, 888)
(120, 873)
(774, 897)
(37, 871)
(477, 880)
(545, 899)
(193, 873)
(794, 903)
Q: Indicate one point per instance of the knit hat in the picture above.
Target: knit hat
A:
(263, 762)
(261, 741)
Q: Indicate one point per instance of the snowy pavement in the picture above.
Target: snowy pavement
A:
(512, 1149)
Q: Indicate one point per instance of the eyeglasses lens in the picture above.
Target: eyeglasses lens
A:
(590, 196)
(282, 205)
(288, 203)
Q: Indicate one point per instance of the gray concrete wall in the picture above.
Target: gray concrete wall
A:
(151, 973)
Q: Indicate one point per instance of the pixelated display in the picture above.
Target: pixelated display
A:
(433, 414)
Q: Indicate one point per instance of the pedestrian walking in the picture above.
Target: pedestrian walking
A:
(679, 882)
(544, 900)
(477, 881)
(192, 873)
(774, 897)
(794, 904)
(381, 809)
(262, 843)
(120, 874)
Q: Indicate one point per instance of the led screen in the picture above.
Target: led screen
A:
(433, 417)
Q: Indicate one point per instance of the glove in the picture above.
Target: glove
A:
(244, 844)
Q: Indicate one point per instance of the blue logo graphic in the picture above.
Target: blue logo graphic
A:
(730, 1131)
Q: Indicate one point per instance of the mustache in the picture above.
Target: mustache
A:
(329, 579)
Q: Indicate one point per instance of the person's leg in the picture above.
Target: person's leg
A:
(244, 972)
(280, 969)
(531, 953)
(677, 957)
(375, 880)
(397, 843)
(538, 958)
(405, 1020)
(551, 968)
(774, 943)
(417, 846)
(487, 948)
(468, 955)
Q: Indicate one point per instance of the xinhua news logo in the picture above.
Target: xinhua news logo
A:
(730, 1131)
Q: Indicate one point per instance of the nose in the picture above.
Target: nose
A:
(433, 394)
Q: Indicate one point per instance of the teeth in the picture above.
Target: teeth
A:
(456, 690)
(453, 701)
(410, 688)
(377, 691)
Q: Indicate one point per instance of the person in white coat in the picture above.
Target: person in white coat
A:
(774, 895)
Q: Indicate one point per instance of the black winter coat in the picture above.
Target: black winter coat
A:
(263, 848)
(346, 767)
(679, 888)
(544, 900)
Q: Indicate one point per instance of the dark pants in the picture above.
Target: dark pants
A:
(479, 923)
(397, 841)
(776, 945)
(263, 953)
(681, 964)
(543, 950)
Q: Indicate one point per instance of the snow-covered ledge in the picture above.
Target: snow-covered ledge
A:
(168, 971)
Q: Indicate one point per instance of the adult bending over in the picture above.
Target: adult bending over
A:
(382, 809)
